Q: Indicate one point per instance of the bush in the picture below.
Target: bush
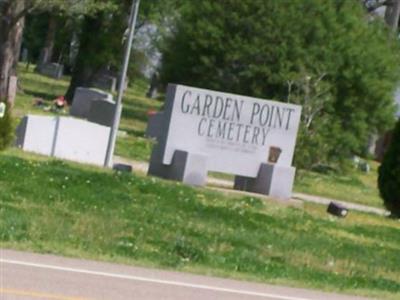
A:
(6, 130)
(389, 175)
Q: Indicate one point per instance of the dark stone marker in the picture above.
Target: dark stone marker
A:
(337, 210)
(122, 168)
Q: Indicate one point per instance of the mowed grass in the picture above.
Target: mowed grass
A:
(354, 187)
(56, 207)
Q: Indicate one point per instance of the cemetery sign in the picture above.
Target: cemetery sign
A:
(234, 134)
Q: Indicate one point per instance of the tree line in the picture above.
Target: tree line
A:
(335, 58)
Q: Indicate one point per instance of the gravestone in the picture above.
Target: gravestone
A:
(83, 98)
(12, 89)
(36, 134)
(106, 83)
(52, 70)
(155, 125)
(24, 55)
(81, 141)
(202, 130)
(64, 137)
(102, 112)
(3, 108)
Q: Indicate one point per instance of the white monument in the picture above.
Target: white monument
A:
(202, 130)
(64, 137)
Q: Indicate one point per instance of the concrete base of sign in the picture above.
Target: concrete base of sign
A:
(64, 137)
(187, 167)
(272, 180)
(83, 99)
(155, 125)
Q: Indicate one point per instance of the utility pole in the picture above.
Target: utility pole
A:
(118, 109)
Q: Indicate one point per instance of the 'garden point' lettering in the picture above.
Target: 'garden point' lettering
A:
(222, 117)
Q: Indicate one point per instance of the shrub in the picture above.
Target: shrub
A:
(389, 175)
(6, 130)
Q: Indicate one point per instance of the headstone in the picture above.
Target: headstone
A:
(337, 210)
(154, 82)
(83, 98)
(64, 137)
(102, 112)
(155, 125)
(106, 83)
(122, 168)
(12, 89)
(240, 135)
(52, 70)
(24, 55)
(81, 141)
(3, 108)
(36, 134)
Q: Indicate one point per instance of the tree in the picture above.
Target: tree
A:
(389, 175)
(107, 42)
(12, 15)
(11, 28)
(324, 55)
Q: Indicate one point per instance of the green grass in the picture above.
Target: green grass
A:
(354, 187)
(56, 207)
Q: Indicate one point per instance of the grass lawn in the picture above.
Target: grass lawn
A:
(56, 207)
(354, 187)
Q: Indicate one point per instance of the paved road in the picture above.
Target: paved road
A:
(27, 276)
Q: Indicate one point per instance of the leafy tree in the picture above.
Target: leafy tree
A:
(324, 55)
(12, 20)
(389, 175)
(107, 42)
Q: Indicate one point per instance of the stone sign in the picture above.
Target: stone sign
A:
(230, 133)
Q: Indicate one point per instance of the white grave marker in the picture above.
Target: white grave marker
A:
(2, 110)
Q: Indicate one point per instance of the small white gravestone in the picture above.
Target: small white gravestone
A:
(229, 133)
(2, 110)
